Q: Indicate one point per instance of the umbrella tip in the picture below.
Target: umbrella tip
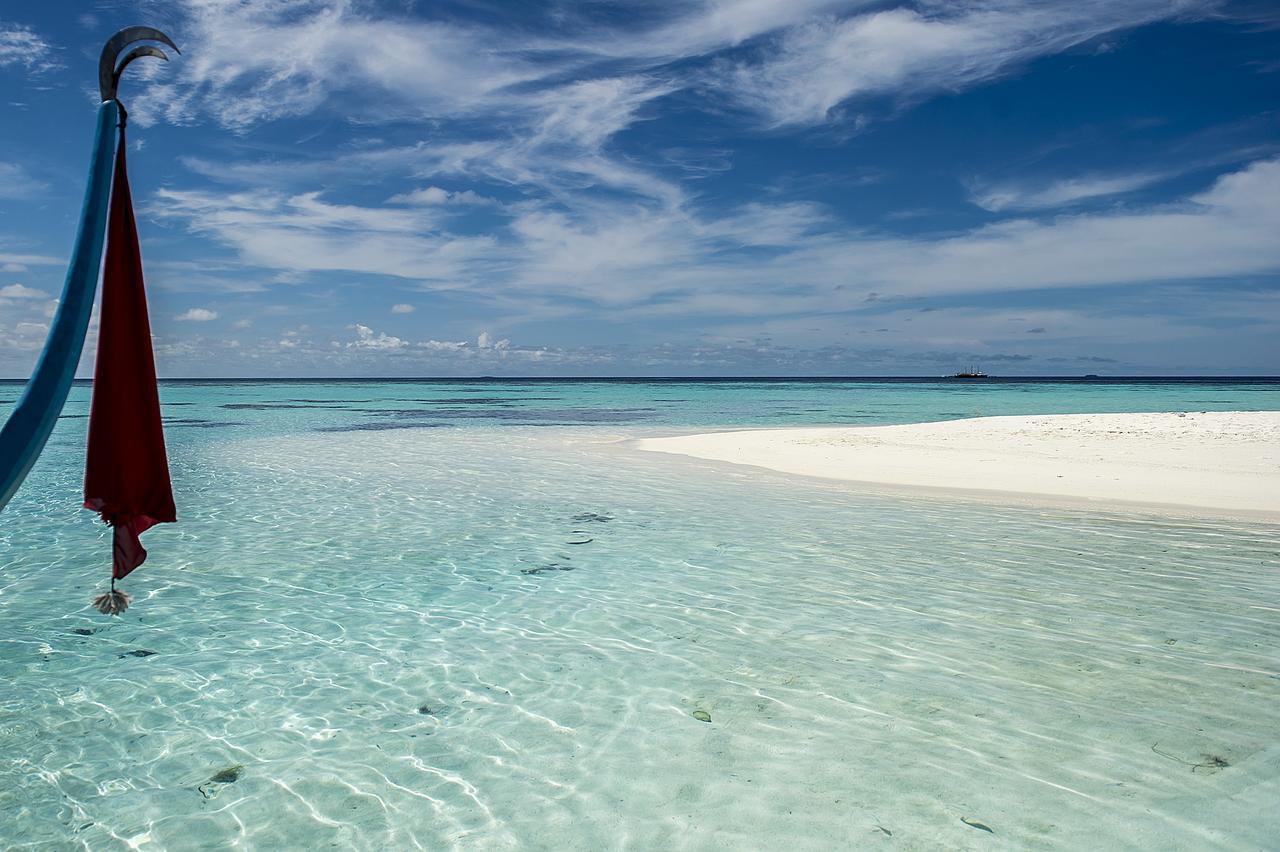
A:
(113, 602)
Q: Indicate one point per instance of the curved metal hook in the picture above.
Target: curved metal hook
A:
(109, 73)
(147, 50)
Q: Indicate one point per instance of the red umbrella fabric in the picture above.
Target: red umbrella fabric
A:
(127, 472)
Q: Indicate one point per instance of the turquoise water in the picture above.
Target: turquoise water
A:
(463, 615)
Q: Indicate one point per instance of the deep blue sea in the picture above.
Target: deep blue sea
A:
(464, 615)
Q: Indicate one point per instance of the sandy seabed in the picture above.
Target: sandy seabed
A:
(1217, 462)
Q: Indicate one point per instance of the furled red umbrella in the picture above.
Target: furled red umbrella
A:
(127, 479)
(127, 473)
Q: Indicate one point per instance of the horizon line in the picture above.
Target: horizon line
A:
(697, 378)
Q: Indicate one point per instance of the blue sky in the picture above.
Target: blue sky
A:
(331, 188)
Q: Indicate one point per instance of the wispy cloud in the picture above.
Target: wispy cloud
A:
(763, 259)
(1222, 231)
(909, 53)
(17, 183)
(271, 59)
(1059, 193)
(21, 46)
(304, 233)
(197, 315)
(433, 195)
(21, 291)
(643, 164)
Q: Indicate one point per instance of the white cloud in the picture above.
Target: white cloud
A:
(198, 315)
(587, 112)
(20, 262)
(19, 291)
(271, 59)
(366, 339)
(909, 53)
(759, 259)
(486, 341)
(712, 25)
(1061, 193)
(589, 227)
(402, 308)
(444, 345)
(1227, 230)
(16, 183)
(19, 45)
(433, 195)
(430, 195)
(302, 233)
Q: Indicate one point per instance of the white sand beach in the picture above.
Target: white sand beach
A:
(1224, 462)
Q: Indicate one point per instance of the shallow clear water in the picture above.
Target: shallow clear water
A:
(494, 633)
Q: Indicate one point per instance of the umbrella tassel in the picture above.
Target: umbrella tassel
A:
(113, 602)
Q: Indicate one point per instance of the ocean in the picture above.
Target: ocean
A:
(464, 614)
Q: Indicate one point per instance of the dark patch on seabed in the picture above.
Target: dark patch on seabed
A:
(550, 566)
(200, 424)
(595, 517)
(481, 400)
(378, 427)
(270, 406)
(230, 775)
(531, 416)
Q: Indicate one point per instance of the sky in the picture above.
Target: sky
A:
(653, 187)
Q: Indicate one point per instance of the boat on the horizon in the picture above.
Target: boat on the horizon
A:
(971, 373)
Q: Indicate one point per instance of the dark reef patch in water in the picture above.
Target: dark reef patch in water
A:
(378, 427)
(197, 423)
(329, 401)
(481, 400)
(593, 517)
(230, 775)
(550, 566)
(271, 406)
(525, 416)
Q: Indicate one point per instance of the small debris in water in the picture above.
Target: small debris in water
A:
(583, 541)
(550, 566)
(82, 631)
(973, 823)
(1211, 762)
(885, 830)
(426, 711)
(230, 775)
(137, 652)
(702, 715)
(590, 517)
